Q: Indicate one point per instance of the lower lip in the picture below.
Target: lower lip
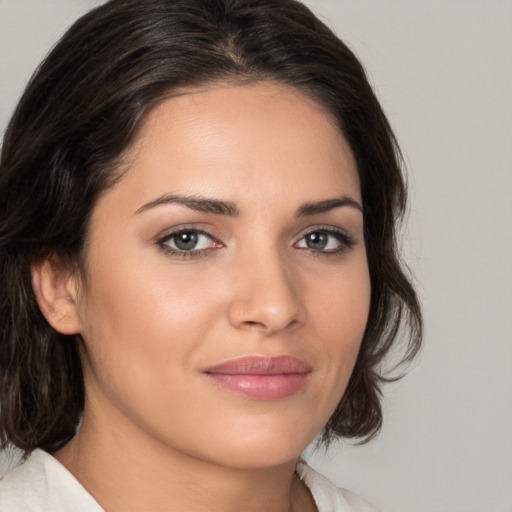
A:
(262, 387)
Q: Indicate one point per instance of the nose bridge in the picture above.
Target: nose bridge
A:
(267, 291)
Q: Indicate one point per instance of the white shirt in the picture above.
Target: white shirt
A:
(43, 484)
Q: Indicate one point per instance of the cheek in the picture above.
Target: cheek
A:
(143, 333)
(342, 304)
(341, 313)
(147, 322)
(143, 313)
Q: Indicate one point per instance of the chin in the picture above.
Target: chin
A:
(263, 449)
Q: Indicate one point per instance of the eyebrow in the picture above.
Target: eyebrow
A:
(228, 208)
(200, 204)
(327, 205)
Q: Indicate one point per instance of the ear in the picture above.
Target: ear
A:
(55, 285)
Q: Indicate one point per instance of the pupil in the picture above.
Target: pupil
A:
(186, 241)
(317, 240)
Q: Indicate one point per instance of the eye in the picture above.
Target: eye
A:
(325, 240)
(188, 242)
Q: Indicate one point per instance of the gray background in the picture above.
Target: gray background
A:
(443, 70)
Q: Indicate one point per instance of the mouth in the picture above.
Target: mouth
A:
(261, 377)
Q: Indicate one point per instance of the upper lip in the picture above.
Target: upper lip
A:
(261, 365)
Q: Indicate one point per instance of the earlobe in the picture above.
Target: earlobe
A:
(56, 290)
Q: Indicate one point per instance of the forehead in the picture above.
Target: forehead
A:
(225, 140)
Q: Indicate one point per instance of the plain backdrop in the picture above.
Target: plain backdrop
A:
(443, 70)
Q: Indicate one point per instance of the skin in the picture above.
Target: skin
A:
(153, 320)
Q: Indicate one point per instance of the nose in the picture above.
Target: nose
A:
(266, 295)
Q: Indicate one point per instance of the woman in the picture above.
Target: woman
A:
(198, 261)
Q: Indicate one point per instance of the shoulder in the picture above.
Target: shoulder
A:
(42, 484)
(328, 497)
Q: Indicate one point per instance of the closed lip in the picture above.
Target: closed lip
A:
(261, 365)
(260, 377)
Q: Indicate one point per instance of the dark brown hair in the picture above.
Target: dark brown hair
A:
(78, 116)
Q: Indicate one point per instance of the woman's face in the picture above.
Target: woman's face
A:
(227, 286)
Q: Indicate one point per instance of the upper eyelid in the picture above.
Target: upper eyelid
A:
(170, 232)
(321, 227)
(327, 229)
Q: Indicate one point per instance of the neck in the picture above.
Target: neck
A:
(124, 470)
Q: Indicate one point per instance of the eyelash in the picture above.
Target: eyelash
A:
(345, 240)
(183, 254)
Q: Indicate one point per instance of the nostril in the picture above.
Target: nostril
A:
(250, 323)
(293, 324)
